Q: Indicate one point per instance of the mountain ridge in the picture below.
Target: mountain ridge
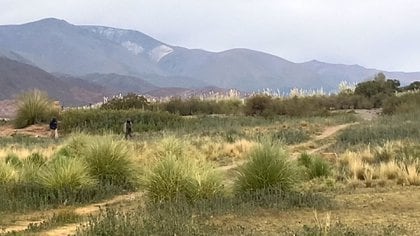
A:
(79, 50)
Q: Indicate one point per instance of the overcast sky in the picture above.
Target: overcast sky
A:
(382, 34)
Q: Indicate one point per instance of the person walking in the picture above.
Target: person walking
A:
(54, 128)
(128, 128)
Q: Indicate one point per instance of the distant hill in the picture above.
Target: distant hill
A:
(57, 46)
(17, 77)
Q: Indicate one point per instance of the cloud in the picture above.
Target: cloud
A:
(375, 33)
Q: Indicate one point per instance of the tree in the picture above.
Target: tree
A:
(129, 101)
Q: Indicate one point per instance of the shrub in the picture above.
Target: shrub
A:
(36, 158)
(315, 166)
(98, 120)
(258, 105)
(110, 161)
(268, 167)
(8, 173)
(75, 146)
(168, 179)
(130, 101)
(170, 146)
(176, 177)
(13, 159)
(291, 136)
(34, 107)
(65, 174)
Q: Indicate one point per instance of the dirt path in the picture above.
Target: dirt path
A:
(24, 220)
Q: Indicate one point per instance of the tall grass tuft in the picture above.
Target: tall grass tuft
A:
(172, 178)
(110, 162)
(168, 179)
(65, 174)
(267, 167)
(34, 107)
(8, 174)
(75, 146)
(315, 166)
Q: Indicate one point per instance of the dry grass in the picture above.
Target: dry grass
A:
(389, 170)
(412, 174)
(22, 153)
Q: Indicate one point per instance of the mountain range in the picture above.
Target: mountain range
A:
(104, 60)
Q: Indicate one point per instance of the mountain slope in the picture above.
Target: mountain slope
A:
(16, 77)
(57, 46)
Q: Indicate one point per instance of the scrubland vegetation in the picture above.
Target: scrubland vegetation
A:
(203, 174)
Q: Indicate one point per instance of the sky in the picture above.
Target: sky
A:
(381, 34)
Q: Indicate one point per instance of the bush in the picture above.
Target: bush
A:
(172, 178)
(291, 136)
(36, 158)
(75, 146)
(315, 166)
(258, 105)
(96, 120)
(34, 107)
(130, 101)
(268, 167)
(64, 174)
(13, 160)
(8, 173)
(110, 162)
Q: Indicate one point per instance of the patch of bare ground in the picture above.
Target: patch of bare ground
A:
(38, 130)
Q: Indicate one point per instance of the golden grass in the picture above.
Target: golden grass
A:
(412, 175)
(22, 153)
(389, 170)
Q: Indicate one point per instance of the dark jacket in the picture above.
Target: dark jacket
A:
(53, 124)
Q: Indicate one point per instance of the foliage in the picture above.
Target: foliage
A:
(268, 167)
(258, 105)
(34, 107)
(173, 177)
(65, 174)
(196, 106)
(13, 160)
(405, 103)
(397, 127)
(97, 120)
(129, 101)
(110, 162)
(315, 166)
(291, 136)
(75, 146)
(8, 173)
(377, 90)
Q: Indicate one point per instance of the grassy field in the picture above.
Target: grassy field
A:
(215, 175)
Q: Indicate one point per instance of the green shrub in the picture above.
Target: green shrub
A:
(75, 146)
(268, 167)
(65, 174)
(8, 173)
(34, 107)
(168, 179)
(258, 105)
(98, 120)
(36, 158)
(13, 159)
(291, 136)
(129, 101)
(315, 166)
(110, 161)
(170, 146)
(174, 177)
